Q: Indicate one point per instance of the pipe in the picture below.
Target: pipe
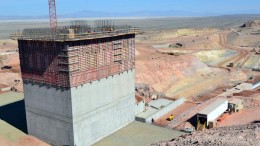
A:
(256, 85)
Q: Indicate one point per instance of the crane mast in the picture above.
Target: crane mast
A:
(53, 16)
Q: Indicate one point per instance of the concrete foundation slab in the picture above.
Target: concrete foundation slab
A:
(139, 134)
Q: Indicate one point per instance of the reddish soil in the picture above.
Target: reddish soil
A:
(24, 141)
(245, 116)
(8, 76)
(212, 94)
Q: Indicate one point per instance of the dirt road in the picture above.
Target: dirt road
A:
(235, 59)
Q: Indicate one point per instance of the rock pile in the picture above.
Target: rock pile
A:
(147, 91)
(245, 135)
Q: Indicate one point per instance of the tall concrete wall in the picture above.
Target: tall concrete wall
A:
(161, 112)
(102, 107)
(82, 115)
(49, 114)
(165, 110)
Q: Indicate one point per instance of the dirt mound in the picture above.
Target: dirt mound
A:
(246, 135)
(252, 24)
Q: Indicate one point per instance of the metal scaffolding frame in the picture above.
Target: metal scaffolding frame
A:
(79, 30)
(76, 62)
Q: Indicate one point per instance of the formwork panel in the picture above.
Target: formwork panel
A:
(73, 63)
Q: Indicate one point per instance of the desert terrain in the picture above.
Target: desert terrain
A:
(194, 58)
(200, 64)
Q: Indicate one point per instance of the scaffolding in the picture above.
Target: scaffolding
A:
(78, 30)
(82, 57)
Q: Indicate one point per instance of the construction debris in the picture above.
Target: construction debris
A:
(177, 45)
(147, 91)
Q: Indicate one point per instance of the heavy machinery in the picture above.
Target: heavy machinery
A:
(170, 118)
(230, 65)
(201, 125)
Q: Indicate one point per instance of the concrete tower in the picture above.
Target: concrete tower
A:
(78, 86)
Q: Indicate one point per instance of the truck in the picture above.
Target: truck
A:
(230, 65)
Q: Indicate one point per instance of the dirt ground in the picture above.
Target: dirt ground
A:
(198, 71)
(10, 57)
(193, 70)
(24, 141)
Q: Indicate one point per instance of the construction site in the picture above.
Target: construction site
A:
(130, 82)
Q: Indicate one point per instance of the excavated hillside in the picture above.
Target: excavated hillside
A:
(252, 23)
(176, 75)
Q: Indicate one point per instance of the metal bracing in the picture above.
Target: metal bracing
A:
(73, 32)
(73, 63)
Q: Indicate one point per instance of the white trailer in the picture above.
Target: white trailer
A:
(212, 111)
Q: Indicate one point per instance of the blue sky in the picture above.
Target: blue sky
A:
(40, 7)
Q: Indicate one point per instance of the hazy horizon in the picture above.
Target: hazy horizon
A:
(122, 8)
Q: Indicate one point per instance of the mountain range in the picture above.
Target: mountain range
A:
(141, 14)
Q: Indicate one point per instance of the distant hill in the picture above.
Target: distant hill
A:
(95, 14)
(252, 24)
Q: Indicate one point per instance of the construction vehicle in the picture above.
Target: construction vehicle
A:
(170, 118)
(6, 67)
(230, 65)
(201, 125)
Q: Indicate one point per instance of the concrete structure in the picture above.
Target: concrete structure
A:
(212, 111)
(158, 108)
(140, 104)
(139, 134)
(12, 110)
(235, 105)
(89, 112)
(237, 89)
(78, 89)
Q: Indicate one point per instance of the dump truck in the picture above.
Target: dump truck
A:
(230, 65)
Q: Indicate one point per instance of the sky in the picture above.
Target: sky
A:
(40, 7)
